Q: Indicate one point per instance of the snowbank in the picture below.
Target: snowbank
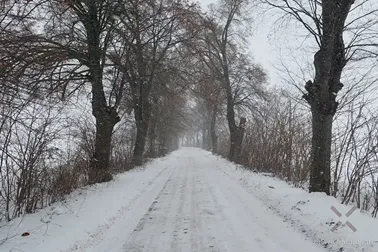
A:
(93, 218)
(89, 215)
(310, 214)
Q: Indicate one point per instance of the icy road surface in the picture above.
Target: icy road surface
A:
(200, 209)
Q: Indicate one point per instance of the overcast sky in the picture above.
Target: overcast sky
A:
(275, 43)
(262, 47)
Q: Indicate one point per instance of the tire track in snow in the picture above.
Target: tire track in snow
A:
(96, 237)
(135, 245)
(153, 224)
(177, 219)
(187, 215)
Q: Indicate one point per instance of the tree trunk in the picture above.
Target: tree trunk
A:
(99, 171)
(231, 118)
(175, 143)
(205, 145)
(142, 118)
(152, 138)
(162, 145)
(239, 140)
(329, 63)
(199, 141)
(233, 137)
(320, 179)
(236, 132)
(106, 116)
(214, 141)
(140, 143)
(213, 132)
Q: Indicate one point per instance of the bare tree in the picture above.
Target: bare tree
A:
(68, 50)
(210, 98)
(220, 52)
(327, 23)
(150, 29)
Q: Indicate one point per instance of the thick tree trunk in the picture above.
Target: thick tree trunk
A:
(233, 143)
(239, 140)
(175, 143)
(162, 145)
(204, 142)
(205, 134)
(320, 179)
(140, 143)
(231, 119)
(142, 118)
(152, 138)
(99, 171)
(154, 123)
(213, 132)
(199, 141)
(152, 147)
(329, 63)
(214, 141)
(236, 132)
(106, 116)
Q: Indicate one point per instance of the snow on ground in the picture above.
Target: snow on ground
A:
(201, 209)
(310, 214)
(190, 201)
(90, 215)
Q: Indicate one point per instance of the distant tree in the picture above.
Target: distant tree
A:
(151, 29)
(221, 51)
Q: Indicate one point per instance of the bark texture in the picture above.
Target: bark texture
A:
(329, 62)
(106, 116)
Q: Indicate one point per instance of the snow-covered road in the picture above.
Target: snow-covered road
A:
(201, 209)
(184, 202)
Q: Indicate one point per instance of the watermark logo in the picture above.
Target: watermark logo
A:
(343, 242)
(338, 224)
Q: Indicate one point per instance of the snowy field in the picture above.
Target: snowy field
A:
(192, 201)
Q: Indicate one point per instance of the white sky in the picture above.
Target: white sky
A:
(276, 43)
(262, 48)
